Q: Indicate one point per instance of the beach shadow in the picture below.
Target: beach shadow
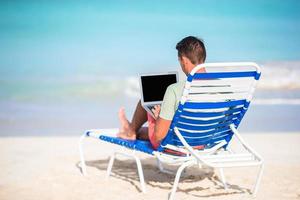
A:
(126, 170)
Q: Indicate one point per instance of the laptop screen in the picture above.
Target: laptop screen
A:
(155, 86)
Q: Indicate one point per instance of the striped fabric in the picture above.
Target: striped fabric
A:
(210, 103)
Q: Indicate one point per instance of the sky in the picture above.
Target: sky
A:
(56, 38)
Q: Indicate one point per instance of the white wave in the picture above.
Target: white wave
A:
(280, 75)
(275, 75)
(132, 88)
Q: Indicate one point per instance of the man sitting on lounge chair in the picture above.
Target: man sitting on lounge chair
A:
(191, 52)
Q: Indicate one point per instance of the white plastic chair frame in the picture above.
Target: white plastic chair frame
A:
(123, 152)
(207, 157)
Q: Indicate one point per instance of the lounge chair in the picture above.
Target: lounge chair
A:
(210, 111)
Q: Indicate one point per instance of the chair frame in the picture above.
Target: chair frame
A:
(212, 157)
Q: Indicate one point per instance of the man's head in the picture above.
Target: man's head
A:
(191, 52)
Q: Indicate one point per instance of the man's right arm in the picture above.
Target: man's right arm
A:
(166, 114)
(161, 129)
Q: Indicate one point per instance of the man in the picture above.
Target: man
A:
(191, 52)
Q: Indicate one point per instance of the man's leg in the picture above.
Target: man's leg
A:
(133, 130)
(139, 117)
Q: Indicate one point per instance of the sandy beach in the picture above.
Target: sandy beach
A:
(47, 168)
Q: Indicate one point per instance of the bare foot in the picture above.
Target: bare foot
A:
(125, 132)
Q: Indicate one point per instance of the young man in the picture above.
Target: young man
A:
(191, 52)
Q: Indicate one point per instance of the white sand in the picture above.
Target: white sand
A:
(47, 168)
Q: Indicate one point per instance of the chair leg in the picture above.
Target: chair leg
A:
(82, 161)
(110, 165)
(177, 177)
(138, 163)
(255, 189)
(141, 174)
(223, 178)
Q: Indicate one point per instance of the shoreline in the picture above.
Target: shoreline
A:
(73, 118)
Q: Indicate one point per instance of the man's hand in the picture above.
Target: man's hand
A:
(156, 111)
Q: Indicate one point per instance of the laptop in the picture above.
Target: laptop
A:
(153, 88)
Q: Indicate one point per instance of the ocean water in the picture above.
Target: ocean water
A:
(69, 106)
(279, 84)
(69, 66)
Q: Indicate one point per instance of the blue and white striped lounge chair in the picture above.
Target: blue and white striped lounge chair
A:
(210, 111)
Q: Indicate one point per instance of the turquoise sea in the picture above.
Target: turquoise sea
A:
(67, 66)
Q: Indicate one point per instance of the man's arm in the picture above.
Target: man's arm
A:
(161, 125)
(161, 129)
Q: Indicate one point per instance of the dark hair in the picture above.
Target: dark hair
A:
(192, 48)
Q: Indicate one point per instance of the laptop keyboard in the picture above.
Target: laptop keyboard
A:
(151, 107)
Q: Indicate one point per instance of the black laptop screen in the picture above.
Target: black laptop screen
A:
(154, 87)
